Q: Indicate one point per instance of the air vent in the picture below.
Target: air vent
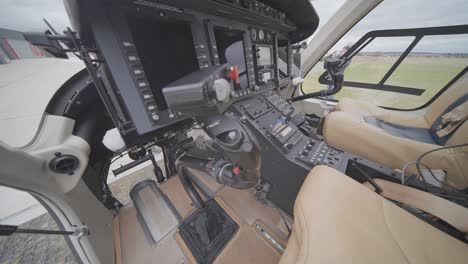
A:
(64, 164)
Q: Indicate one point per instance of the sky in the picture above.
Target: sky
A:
(395, 14)
(26, 15)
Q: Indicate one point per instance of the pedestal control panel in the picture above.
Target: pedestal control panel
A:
(272, 117)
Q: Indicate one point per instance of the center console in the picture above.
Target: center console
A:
(289, 154)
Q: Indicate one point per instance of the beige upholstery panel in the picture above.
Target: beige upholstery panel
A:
(436, 108)
(351, 133)
(337, 220)
(405, 118)
(452, 213)
(360, 108)
(460, 155)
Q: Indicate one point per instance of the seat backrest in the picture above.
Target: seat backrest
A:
(438, 107)
(460, 154)
(451, 98)
(455, 93)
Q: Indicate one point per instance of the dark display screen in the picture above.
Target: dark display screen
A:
(230, 45)
(166, 51)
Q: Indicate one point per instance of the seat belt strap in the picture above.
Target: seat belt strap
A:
(452, 120)
(452, 213)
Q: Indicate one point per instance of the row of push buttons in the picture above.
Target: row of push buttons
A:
(320, 151)
(293, 140)
(141, 81)
(332, 158)
(313, 156)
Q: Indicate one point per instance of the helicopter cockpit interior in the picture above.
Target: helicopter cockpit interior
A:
(267, 181)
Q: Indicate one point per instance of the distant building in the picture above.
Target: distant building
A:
(14, 46)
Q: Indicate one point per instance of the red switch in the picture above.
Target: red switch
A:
(234, 74)
(236, 170)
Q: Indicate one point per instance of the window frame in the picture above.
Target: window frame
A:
(418, 34)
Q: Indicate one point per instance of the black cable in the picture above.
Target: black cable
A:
(418, 162)
(463, 196)
(377, 187)
(427, 186)
(119, 156)
(422, 176)
(425, 183)
(184, 177)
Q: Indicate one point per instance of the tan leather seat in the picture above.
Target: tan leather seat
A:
(347, 129)
(338, 220)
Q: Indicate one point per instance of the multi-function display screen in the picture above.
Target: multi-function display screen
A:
(283, 60)
(264, 56)
(166, 51)
(230, 45)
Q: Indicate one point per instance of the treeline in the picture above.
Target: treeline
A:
(415, 54)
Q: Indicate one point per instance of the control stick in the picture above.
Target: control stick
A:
(223, 171)
(335, 71)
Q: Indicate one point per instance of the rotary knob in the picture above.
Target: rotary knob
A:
(222, 89)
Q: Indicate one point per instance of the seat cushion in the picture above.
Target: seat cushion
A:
(413, 133)
(337, 220)
(361, 108)
(350, 132)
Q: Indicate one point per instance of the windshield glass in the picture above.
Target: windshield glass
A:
(430, 66)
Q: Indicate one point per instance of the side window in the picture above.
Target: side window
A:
(434, 62)
(401, 69)
(23, 210)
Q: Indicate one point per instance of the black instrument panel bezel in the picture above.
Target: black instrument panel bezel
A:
(124, 86)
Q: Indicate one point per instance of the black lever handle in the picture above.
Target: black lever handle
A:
(8, 230)
(333, 67)
(377, 188)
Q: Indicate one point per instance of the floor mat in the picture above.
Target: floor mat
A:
(207, 232)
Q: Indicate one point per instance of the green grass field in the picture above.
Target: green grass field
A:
(428, 73)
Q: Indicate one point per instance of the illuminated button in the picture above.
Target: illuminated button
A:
(155, 117)
(151, 107)
(127, 44)
(132, 58)
(137, 71)
(232, 135)
(142, 84)
(147, 96)
(236, 170)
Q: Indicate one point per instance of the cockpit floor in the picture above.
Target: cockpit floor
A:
(247, 246)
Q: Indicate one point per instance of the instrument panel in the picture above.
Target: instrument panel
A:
(146, 45)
